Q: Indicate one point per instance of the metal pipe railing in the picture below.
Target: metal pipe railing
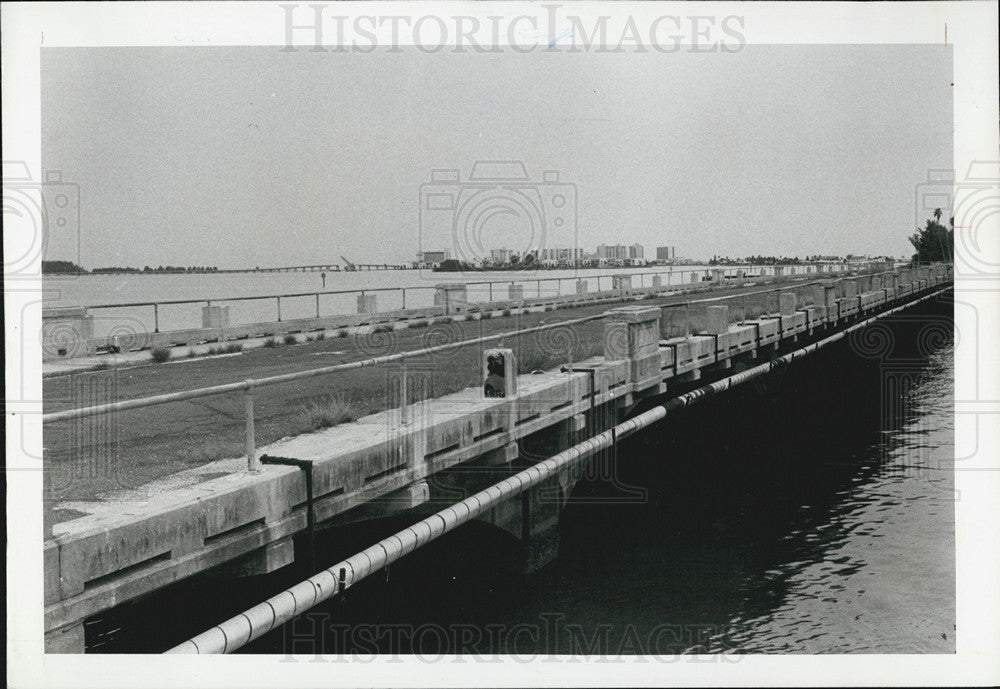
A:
(248, 386)
(265, 617)
(402, 290)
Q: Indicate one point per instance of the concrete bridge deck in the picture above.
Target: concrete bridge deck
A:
(133, 543)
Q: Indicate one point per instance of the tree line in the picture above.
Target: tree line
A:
(934, 242)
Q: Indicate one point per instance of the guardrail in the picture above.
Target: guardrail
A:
(727, 271)
(247, 387)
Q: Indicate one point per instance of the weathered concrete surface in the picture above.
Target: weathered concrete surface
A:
(132, 543)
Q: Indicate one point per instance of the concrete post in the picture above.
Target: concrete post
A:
(695, 277)
(622, 284)
(657, 282)
(67, 332)
(366, 303)
(787, 302)
(718, 320)
(633, 333)
(499, 373)
(826, 296)
(779, 271)
(581, 286)
(515, 292)
(674, 322)
(454, 298)
(215, 316)
(718, 275)
(850, 289)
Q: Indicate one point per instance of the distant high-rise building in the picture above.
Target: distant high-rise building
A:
(665, 253)
(636, 251)
(613, 252)
(431, 257)
(498, 256)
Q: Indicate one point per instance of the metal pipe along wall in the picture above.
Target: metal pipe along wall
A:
(275, 611)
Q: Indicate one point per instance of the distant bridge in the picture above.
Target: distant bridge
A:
(325, 267)
(332, 267)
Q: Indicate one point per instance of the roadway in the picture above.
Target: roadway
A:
(125, 450)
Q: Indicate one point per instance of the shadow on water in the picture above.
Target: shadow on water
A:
(743, 493)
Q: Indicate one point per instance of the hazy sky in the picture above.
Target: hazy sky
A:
(248, 156)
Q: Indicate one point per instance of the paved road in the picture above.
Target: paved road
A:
(130, 448)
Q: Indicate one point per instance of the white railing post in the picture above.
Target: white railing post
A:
(253, 462)
(403, 403)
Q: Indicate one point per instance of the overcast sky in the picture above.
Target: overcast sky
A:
(248, 156)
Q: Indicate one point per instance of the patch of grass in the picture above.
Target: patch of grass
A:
(325, 412)
(506, 312)
(160, 354)
(270, 342)
(549, 308)
(320, 336)
(191, 354)
(101, 366)
(290, 339)
(342, 332)
(422, 323)
(486, 315)
(443, 319)
(233, 348)
(383, 328)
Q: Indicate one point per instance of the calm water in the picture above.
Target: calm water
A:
(93, 290)
(810, 512)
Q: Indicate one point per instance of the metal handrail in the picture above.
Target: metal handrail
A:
(384, 289)
(247, 386)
